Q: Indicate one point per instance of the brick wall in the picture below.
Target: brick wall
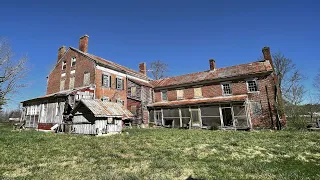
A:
(111, 92)
(83, 64)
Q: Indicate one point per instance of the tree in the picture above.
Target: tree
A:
(12, 71)
(158, 69)
(316, 83)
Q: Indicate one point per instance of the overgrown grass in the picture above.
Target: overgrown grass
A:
(160, 154)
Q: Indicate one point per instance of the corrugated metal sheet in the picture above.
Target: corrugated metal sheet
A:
(202, 100)
(227, 72)
(106, 109)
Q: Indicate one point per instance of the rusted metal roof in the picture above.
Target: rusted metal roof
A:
(105, 109)
(235, 98)
(113, 65)
(221, 73)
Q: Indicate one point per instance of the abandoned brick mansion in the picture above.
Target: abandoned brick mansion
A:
(89, 93)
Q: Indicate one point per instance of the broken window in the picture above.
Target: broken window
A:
(180, 94)
(119, 83)
(164, 95)
(226, 89)
(62, 82)
(71, 83)
(252, 86)
(106, 80)
(133, 91)
(64, 65)
(197, 92)
(210, 116)
(86, 79)
(73, 61)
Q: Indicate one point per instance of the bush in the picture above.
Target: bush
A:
(297, 123)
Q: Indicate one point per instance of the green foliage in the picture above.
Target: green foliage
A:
(160, 154)
(297, 123)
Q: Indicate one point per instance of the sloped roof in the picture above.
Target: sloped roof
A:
(104, 109)
(221, 73)
(112, 65)
(141, 82)
(235, 98)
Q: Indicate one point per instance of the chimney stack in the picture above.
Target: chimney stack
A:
(212, 63)
(83, 43)
(266, 53)
(61, 52)
(143, 68)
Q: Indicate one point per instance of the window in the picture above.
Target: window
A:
(86, 79)
(133, 91)
(106, 80)
(226, 88)
(62, 82)
(180, 94)
(197, 92)
(252, 86)
(73, 61)
(164, 96)
(119, 83)
(71, 83)
(64, 65)
(134, 110)
(105, 98)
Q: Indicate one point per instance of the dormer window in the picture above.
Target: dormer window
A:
(64, 65)
(73, 61)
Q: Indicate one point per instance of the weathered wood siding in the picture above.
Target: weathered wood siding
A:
(84, 129)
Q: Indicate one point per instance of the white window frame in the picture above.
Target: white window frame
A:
(162, 95)
(64, 63)
(222, 87)
(256, 81)
(109, 78)
(121, 84)
(73, 59)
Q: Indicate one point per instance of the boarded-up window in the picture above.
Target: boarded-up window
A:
(86, 79)
(180, 94)
(71, 83)
(197, 92)
(62, 82)
(133, 91)
(134, 110)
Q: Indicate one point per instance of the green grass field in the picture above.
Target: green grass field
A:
(160, 154)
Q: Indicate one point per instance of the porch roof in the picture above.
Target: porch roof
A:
(220, 99)
(104, 109)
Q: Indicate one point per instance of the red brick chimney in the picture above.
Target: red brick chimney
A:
(61, 52)
(212, 63)
(143, 68)
(83, 43)
(267, 55)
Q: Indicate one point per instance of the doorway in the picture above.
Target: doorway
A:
(227, 116)
(195, 119)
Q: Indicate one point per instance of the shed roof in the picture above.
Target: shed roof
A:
(235, 98)
(104, 109)
(221, 73)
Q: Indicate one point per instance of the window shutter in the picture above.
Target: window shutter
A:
(109, 81)
(122, 84)
(102, 80)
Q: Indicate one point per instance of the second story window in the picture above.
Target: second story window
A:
(86, 79)
(252, 86)
(119, 83)
(197, 92)
(180, 94)
(62, 82)
(64, 65)
(71, 83)
(73, 61)
(106, 80)
(226, 88)
(164, 95)
(133, 91)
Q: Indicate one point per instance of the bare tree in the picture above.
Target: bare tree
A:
(158, 69)
(12, 71)
(316, 83)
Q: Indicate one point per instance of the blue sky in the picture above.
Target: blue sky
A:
(183, 34)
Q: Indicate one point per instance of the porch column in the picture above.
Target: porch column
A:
(180, 116)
